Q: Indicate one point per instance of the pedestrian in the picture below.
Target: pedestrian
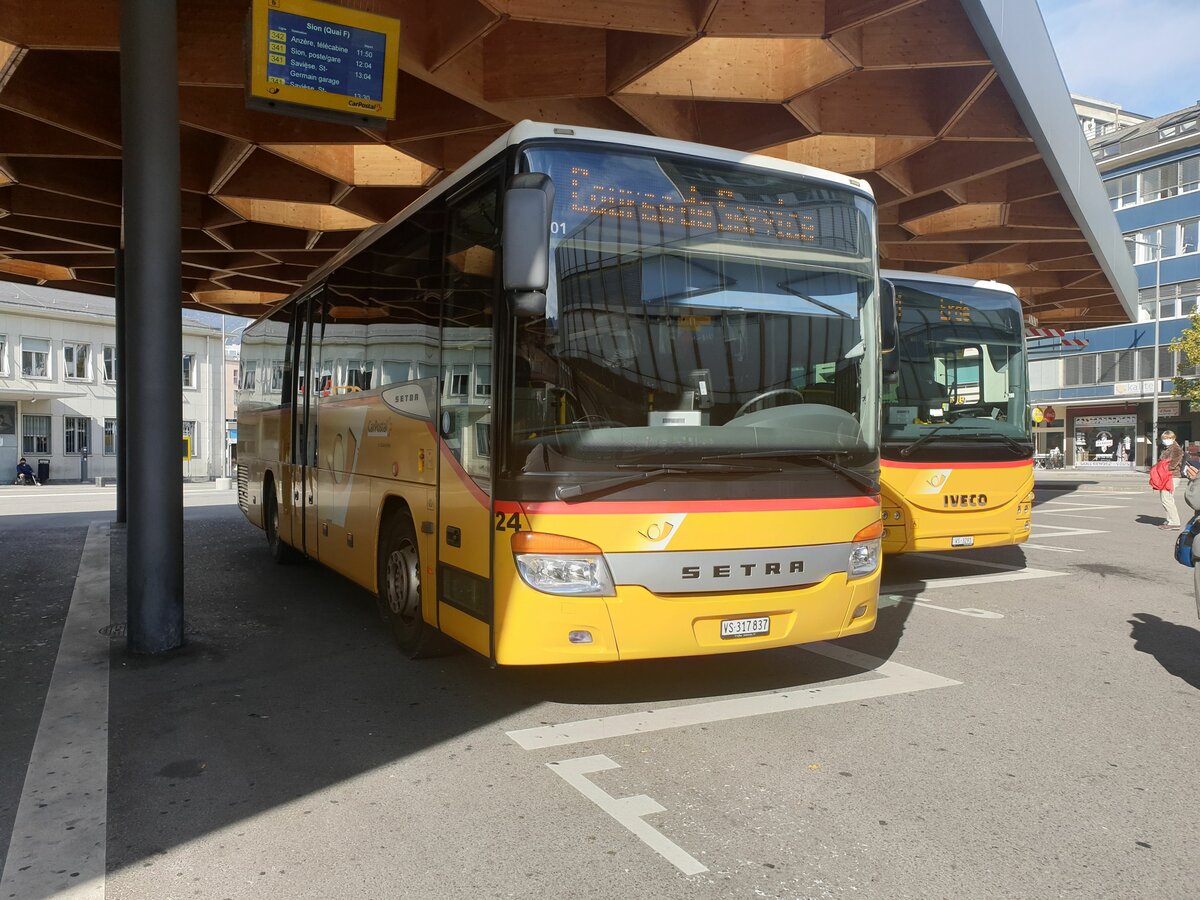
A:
(1191, 496)
(1173, 453)
(25, 473)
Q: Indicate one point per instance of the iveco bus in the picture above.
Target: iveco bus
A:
(594, 397)
(957, 467)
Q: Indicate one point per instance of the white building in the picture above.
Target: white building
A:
(58, 394)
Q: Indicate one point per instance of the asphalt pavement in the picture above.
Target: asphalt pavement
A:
(1021, 723)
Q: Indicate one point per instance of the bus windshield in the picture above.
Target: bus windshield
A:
(697, 310)
(962, 367)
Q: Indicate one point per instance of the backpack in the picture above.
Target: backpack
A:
(1183, 543)
(1161, 478)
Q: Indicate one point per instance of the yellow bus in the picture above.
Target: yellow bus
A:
(957, 466)
(594, 397)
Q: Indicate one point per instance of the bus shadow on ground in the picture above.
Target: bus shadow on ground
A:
(289, 684)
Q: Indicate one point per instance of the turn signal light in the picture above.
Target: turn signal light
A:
(536, 542)
(870, 533)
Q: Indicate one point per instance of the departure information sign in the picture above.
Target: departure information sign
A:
(310, 55)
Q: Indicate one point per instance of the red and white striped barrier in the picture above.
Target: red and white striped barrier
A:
(1074, 342)
(1044, 332)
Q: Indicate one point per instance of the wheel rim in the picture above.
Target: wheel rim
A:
(404, 582)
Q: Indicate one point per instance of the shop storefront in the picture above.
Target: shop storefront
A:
(1104, 441)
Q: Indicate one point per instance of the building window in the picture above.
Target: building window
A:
(483, 381)
(249, 371)
(483, 439)
(35, 358)
(1122, 191)
(1080, 370)
(1166, 363)
(35, 431)
(77, 363)
(109, 358)
(110, 437)
(77, 435)
(3, 354)
(190, 431)
(189, 370)
(459, 376)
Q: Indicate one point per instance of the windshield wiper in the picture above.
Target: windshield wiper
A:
(821, 457)
(784, 286)
(649, 473)
(1015, 446)
(923, 439)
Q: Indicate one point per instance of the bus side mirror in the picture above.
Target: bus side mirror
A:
(528, 203)
(888, 329)
(887, 316)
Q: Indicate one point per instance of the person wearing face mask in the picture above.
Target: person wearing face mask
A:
(1174, 454)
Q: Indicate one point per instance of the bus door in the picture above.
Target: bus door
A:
(464, 418)
(302, 490)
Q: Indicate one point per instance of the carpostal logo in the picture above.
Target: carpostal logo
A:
(363, 104)
(379, 428)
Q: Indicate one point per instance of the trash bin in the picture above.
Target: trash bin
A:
(43, 470)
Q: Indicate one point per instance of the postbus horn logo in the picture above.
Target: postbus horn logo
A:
(657, 532)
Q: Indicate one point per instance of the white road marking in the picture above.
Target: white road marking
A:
(1053, 549)
(1078, 507)
(897, 679)
(1050, 512)
(626, 810)
(968, 560)
(1064, 530)
(59, 834)
(924, 603)
(967, 580)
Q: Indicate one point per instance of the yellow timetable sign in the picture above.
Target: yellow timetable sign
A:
(308, 54)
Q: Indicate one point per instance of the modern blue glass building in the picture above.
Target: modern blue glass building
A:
(1102, 393)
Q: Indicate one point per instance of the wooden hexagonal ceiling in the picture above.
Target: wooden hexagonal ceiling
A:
(899, 92)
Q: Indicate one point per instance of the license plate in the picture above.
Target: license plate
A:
(968, 541)
(736, 628)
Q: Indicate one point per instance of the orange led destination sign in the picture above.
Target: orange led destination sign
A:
(324, 61)
(692, 208)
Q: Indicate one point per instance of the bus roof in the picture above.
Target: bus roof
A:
(903, 275)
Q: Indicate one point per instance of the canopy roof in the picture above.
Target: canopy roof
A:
(954, 110)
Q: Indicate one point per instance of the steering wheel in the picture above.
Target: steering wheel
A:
(741, 410)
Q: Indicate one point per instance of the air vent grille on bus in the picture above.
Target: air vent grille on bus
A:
(243, 476)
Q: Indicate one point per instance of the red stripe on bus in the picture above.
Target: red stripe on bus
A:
(688, 506)
(1016, 464)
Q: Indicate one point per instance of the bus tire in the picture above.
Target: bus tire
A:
(281, 551)
(399, 589)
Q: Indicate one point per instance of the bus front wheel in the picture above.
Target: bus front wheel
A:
(399, 588)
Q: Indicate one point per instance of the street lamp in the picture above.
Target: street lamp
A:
(1157, 318)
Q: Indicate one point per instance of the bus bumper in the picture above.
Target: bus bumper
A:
(921, 531)
(638, 624)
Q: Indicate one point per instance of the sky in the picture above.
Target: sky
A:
(1143, 55)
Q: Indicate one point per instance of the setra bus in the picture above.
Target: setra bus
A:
(596, 396)
(957, 449)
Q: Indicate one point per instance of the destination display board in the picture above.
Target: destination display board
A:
(318, 59)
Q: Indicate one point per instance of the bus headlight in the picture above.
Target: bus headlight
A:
(554, 564)
(864, 551)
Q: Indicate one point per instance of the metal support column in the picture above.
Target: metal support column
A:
(150, 178)
(122, 383)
